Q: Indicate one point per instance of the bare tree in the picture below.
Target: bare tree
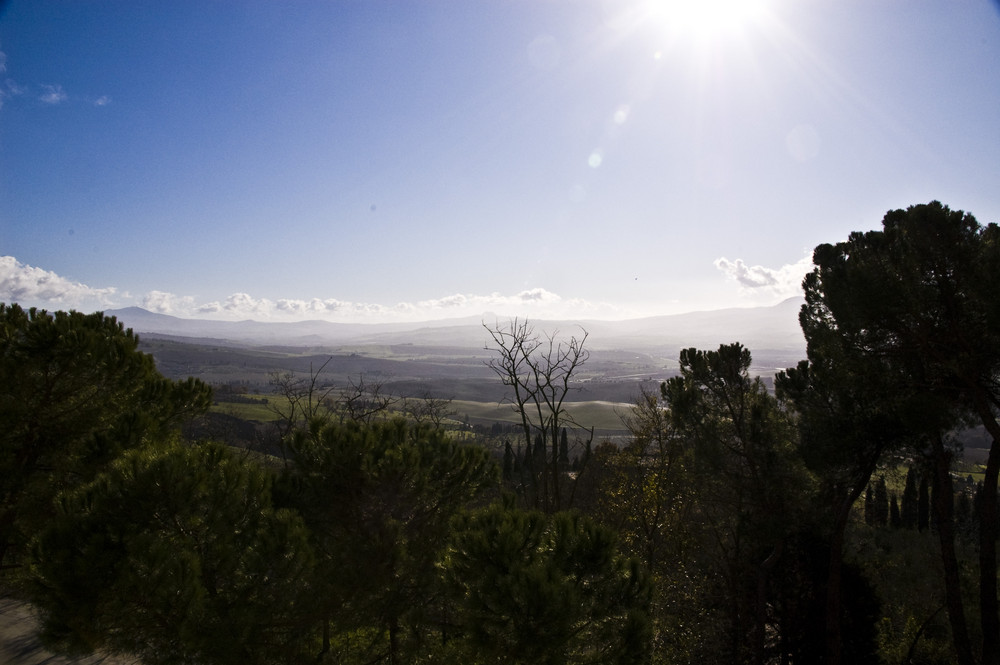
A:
(365, 401)
(300, 401)
(307, 402)
(539, 370)
(427, 408)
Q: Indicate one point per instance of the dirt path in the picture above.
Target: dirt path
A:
(19, 646)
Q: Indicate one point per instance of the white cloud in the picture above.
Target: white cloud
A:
(54, 94)
(103, 100)
(162, 302)
(536, 303)
(35, 287)
(10, 89)
(783, 282)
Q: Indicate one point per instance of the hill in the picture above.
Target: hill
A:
(771, 333)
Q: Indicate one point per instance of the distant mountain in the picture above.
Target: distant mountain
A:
(771, 333)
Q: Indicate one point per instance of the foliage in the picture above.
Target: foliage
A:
(751, 485)
(74, 393)
(174, 555)
(548, 589)
(913, 308)
(378, 499)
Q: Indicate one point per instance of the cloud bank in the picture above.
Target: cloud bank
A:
(36, 287)
(533, 302)
(754, 281)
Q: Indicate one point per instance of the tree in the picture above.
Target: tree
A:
(75, 392)
(174, 555)
(377, 499)
(881, 502)
(649, 497)
(301, 400)
(539, 370)
(924, 499)
(908, 508)
(869, 506)
(546, 589)
(751, 481)
(427, 408)
(933, 324)
(563, 450)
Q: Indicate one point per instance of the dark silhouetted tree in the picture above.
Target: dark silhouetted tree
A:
(934, 318)
(175, 556)
(532, 588)
(75, 392)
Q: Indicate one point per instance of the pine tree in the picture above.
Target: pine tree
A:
(75, 392)
(545, 589)
(379, 500)
(175, 555)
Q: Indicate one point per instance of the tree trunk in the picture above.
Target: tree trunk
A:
(988, 531)
(556, 499)
(760, 620)
(394, 641)
(943, 509)
(988, 560)
(834, 641)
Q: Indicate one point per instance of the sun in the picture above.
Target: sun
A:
(706, 22)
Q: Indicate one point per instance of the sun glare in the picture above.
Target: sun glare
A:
(706, 22)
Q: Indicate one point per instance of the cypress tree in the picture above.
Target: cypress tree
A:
(923, 504)
(869, 506)
(538, 456)
(881, 511)
(563, 450)
(508, 461)
(894, 518)
(963, 512)
(908, 509)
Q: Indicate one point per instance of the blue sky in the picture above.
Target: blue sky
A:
(385, 160)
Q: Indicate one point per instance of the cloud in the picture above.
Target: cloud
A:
(37, 287)
(783, 282)
(53, 94)
(103, 100)
(162, 302)
(536, 303)
(10, 89)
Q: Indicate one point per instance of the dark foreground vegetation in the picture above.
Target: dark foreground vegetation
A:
(823, 521)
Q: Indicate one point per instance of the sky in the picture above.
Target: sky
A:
(390, 160)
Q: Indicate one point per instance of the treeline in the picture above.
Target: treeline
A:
(737, 524)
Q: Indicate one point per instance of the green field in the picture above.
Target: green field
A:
(599, 415)
(603, 416)
(257, 410)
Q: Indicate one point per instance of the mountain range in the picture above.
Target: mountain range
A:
(771, 333)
